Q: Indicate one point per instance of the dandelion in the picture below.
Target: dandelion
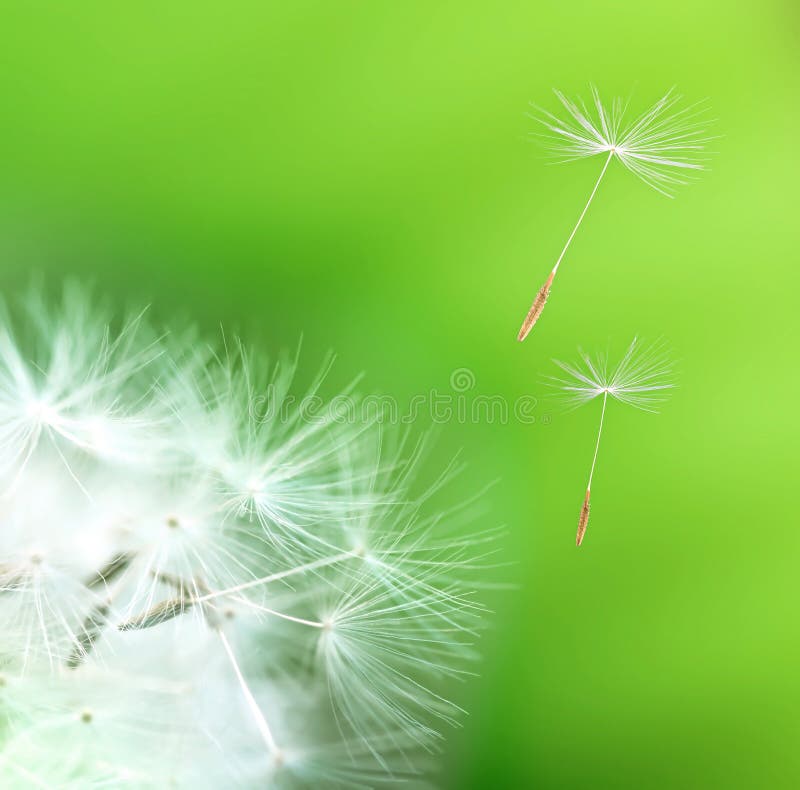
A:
(201, 586)
(641, 379)
(664, 147)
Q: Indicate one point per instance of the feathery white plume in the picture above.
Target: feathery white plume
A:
(203, 585)
(662, 146)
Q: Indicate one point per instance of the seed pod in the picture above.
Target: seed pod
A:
(91, 629)
(210, 611)
(583, 521)
(164, 611)
(536, 309)
(116, 565)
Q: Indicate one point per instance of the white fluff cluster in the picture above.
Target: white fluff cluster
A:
(202, 585)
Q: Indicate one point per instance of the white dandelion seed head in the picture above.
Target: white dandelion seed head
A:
(663, 146)
(203, 586)
(642, 378)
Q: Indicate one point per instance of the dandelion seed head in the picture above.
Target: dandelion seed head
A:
(193, 571)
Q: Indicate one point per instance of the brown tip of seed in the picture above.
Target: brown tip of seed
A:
(536, 308)
(583, 521)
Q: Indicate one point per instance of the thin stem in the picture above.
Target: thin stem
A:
(585, 209)
(597, 445)
(261, 721)
(282, 615)
(309, 566)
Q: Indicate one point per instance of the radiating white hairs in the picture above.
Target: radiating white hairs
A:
(203, 585)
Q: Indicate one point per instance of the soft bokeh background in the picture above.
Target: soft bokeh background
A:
(361, 173)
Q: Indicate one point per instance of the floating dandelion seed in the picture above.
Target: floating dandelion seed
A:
(243, 596)
(664, 146)
(641, 379)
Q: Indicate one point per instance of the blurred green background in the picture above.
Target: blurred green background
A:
(361, 173)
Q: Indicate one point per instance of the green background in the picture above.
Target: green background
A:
(361, 173)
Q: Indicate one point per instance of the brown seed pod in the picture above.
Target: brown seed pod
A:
(536, 308)
(583, 521)
(113, 568)
(91, 629)
(157, 615)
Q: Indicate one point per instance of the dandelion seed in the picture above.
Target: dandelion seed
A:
(641, 379)
(664, 147)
